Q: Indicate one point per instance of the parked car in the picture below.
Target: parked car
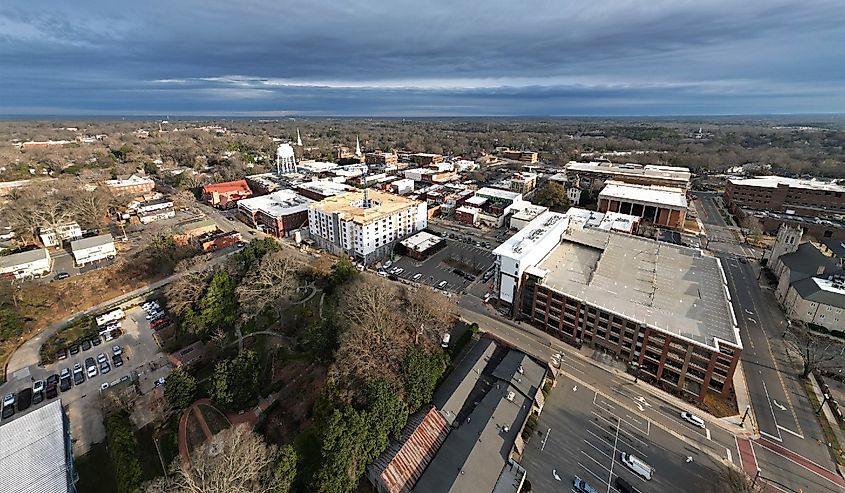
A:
(582, 486)
(9, 399)
(8, 411)
(78, 374)
(117, 350)
(104, 386)
(62, 354)
(37, 397)
(444, 343)
(24, 399)
(38, 386)
(117, 361)
(96, 341)
(104, 368)
(52, 389)
(74, 349)
(65, 380)
(86, 345)
(60, 276)
(54, 379)
(624, 486)
(442, 284)
(637, 465)
(417, 276)
(91, 367)
(382, 273)
(399, 270)
(692, 419)
(124, 378)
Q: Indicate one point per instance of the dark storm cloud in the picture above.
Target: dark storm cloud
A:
(410, 58)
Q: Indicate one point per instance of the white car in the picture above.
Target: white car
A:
(101, 358)
(417, 276)
(445, 342)
(442, 284)
(38, 386)
(117, 350)
(104, 386)
(692, 419)
(399, 270)
(9, 400)
(382, 273)
(386, 264)
(92, 371)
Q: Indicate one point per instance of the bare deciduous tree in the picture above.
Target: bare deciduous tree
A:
(817, 352)
(271, 283)
(185, 291)
(429, 314)
(234, 461)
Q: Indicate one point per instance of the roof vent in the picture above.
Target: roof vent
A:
(506, 429)
(511, 395)
(521, 370)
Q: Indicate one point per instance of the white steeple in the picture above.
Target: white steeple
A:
(357, 147)
(298, 138)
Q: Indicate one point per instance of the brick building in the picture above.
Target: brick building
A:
(662, 206)
(134, 184)
(382, 158)
(278, 213)
(788, 195)
(227, 194)
(524, 156)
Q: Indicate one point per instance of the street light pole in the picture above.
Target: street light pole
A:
(747, 409)
(637, 374)
(821, 406)
(754, 482)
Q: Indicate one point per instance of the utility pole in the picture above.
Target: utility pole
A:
(747, 409)
(754, 482)
(821, 406)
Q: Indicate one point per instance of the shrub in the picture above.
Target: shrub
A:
(122, 450)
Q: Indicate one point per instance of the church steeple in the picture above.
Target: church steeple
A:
(298, 138)
(357, 147)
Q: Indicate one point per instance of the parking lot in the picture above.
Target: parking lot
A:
(468, 258)
(581, 433)
(143, 363)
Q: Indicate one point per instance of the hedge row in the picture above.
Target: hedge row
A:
(122, 446)
(824, 330)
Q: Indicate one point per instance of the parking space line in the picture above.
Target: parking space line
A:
(591, 472)
(630, 435)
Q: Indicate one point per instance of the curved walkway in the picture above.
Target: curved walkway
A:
(183, 426)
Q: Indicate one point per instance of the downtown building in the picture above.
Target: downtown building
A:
(364, 225)
(277, 214)
(658, 205)
(662, 309)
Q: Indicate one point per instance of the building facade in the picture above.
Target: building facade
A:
(381, 158)
(56, 237)
(818, 300)
(524, 156)
(132, 185)
(26, 265)
(587, 176)
(523, 182)
(285, 159)
(789, 195)
(278, 213)
(661, 206)
(87, 250)
(364, 228)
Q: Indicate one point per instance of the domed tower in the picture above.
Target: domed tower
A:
(285, 159)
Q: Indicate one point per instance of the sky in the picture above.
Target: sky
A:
(421, 58)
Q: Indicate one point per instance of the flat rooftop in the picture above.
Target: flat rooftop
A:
(674, 173)
(325, 187)
(421, 241)
(349, 206)
(543, 226)
(645, 194)
(498, 193)
(277, 204)
(774, 181)
(674, 289)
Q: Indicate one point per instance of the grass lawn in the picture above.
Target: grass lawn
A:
(147, 453)
(95, 472)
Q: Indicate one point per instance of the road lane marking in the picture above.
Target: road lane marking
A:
(546, 439)
(769, 400)
(708, 433)
(730, 458)
(763, 433)
(790, 432)
(613, 456)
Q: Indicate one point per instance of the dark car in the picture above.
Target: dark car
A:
(118, 361)
(54, 379)
(60, 276)
(104, 368)
(61, 354)
(51, 391)
(37, 397)
(24, 399)
(74, 349)
(8, 411)
(96, 341)
(86, 345)
(64, 381)
(624, 486)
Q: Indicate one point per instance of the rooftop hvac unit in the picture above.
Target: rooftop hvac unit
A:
(521, 370)
(511, 395)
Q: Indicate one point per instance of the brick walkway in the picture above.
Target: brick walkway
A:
(803, 462)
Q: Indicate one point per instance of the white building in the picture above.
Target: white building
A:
(524, 249)
(403, 186)
(523, 182)
(26, 265)
(343, 225)
(285, 159)
(525, 214)
(51, 237)
(92, 249)
(817, 300)
(314, 167)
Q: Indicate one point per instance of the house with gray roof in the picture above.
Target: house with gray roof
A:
(26, 265)
(817, 300)
(88, 250)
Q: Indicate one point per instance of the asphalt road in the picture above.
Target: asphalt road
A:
(721, 237)
(581, 432)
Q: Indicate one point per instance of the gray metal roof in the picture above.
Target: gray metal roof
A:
(453, 392)
(806, 261)
(91, 242)
(674, 289)
(8, 261)
(472, 458)
(835, 246)
(33, 458)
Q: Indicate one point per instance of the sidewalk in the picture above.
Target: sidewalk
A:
(829, 417)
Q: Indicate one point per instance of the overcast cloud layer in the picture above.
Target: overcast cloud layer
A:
(411, 58)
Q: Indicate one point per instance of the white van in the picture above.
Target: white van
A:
(445, 342)
(638, 466)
